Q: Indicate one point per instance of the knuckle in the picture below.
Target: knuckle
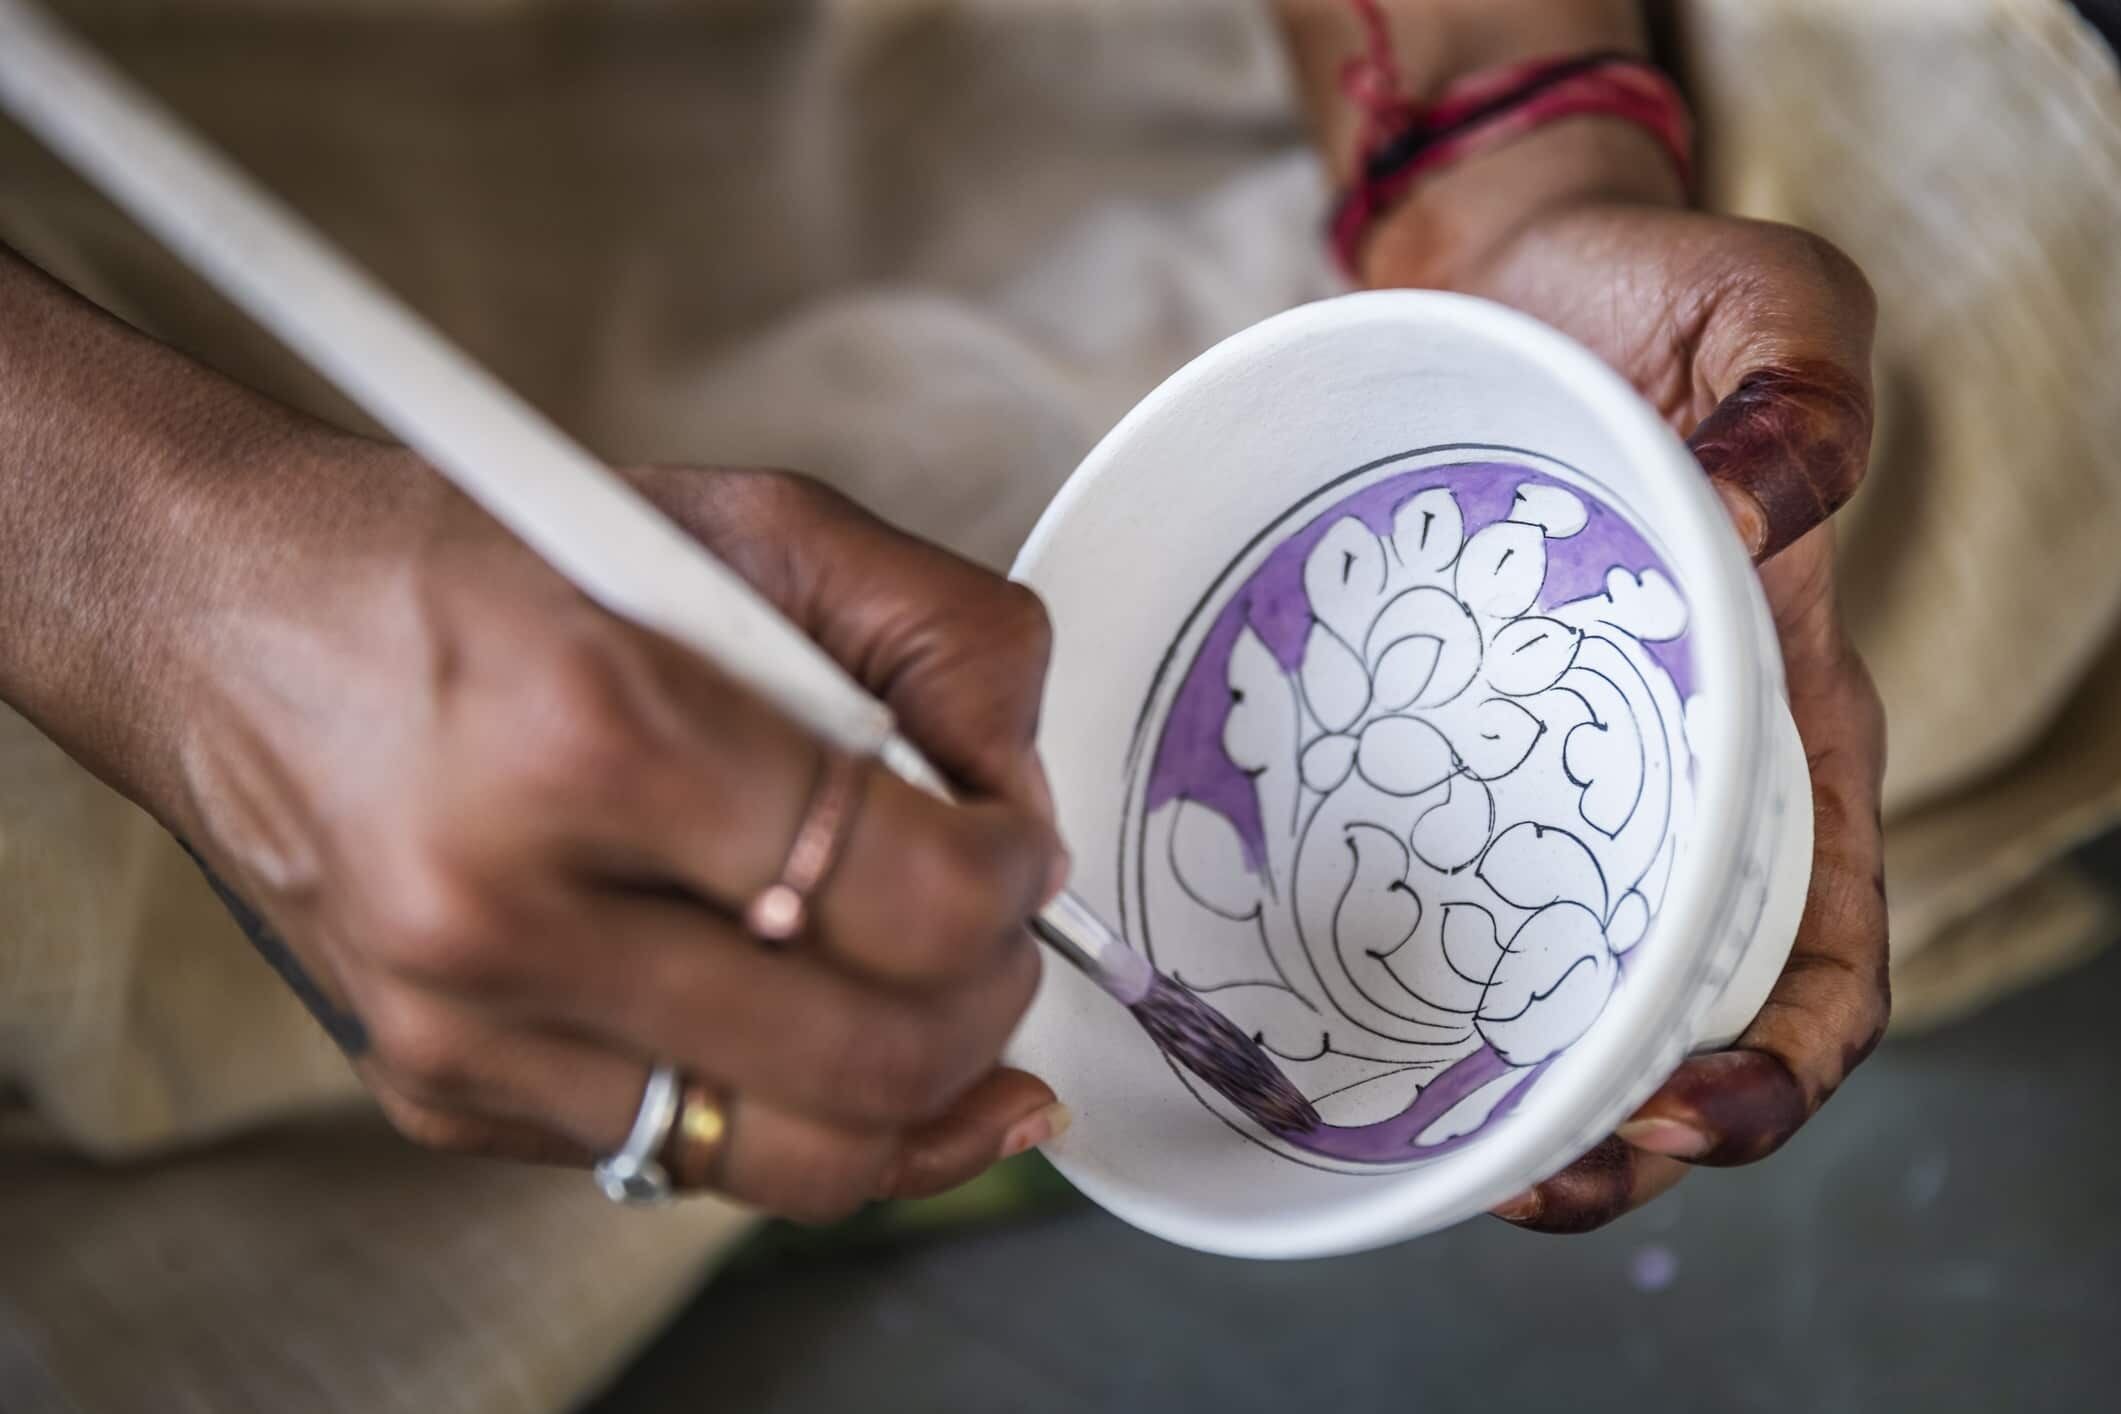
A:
(1873, 1014)
(1029, 626)
(832, 1186)
(1020, 988)
(585, 731)
(791, 492)
(894, 1068)
(771, 498)
(1839, 272)
(423, 1050)
(958, 873)
(433, 925)
(429, 1128)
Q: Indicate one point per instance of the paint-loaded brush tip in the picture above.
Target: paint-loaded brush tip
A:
(1232, 1064)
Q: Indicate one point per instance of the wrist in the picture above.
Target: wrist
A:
(141, 497)
(1378, 74)
(125, 610)
(1454, 223)
(1431, 44)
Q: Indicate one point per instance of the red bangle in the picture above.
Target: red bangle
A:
(1403, 140)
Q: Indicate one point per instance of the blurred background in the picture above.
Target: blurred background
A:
(931, 250)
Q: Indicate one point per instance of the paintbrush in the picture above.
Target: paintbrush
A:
(585, 521)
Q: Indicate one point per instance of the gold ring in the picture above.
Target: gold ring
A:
(698, 1140)
(780, 912)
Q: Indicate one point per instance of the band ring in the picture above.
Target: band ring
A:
(782, 910)
(633, 1175)
(699, 1141)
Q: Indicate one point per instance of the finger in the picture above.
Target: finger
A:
(671, 979)
(1612, 1180)
(797, 1166)
(1829, 1009)
(1003, 1115)
(956, 651)
(476, 1136)
(922, 891)
(1787, 356)
(450, 1081)
(694, 781)
(446, 1059)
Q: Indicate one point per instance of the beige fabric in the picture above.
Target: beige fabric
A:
(1968, 154)
(931, 249)
(323, 1267)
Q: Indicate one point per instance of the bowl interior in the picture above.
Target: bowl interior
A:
(1392, 644)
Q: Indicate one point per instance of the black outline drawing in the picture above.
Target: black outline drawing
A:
(1308, 803)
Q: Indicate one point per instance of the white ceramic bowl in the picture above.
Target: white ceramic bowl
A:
(1413, 699)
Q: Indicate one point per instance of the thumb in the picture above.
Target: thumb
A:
(1788, 355)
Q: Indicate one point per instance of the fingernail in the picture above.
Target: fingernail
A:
(1666, 1136)
(1521, 1209)
(1746, 513)
(1035, 1129)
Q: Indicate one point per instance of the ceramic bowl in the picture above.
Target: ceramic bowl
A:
(1412, 700)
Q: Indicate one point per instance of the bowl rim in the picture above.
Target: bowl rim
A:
(1621, 1061)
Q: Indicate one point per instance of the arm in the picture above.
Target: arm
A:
(1754, 341)
(113, 451)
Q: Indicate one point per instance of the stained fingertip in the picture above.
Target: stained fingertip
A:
(1589, 1193)
(1797, 437)
(1744, 1103)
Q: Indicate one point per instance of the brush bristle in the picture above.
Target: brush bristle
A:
(1232, 1064)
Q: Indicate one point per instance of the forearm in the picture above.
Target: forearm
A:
(119, 463)
(1440, 233)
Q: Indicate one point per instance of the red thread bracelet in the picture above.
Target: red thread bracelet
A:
(1403, 140)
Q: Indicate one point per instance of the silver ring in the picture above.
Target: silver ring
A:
(633, 1175)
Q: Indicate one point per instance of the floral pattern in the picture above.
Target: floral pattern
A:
(1466, 792)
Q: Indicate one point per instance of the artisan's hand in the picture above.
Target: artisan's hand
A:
(1754, 341)
(1830, 1005)
(510, 834)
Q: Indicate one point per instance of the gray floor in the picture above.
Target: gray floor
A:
(1946, 1237)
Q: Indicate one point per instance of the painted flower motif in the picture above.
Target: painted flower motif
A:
(1469, 802)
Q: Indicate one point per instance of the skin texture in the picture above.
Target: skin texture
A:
(1754, 341)
(504, 834)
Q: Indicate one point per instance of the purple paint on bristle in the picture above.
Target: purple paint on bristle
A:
(1229, 1062)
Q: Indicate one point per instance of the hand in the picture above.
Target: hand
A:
(1754, 341)
(510, 834)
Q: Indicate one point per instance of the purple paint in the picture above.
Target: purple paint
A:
(1653, 1268)
(1394, 1140)
(1190, 763)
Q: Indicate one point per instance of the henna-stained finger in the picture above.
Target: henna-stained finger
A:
(1787, 448)
(1611, 1181)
